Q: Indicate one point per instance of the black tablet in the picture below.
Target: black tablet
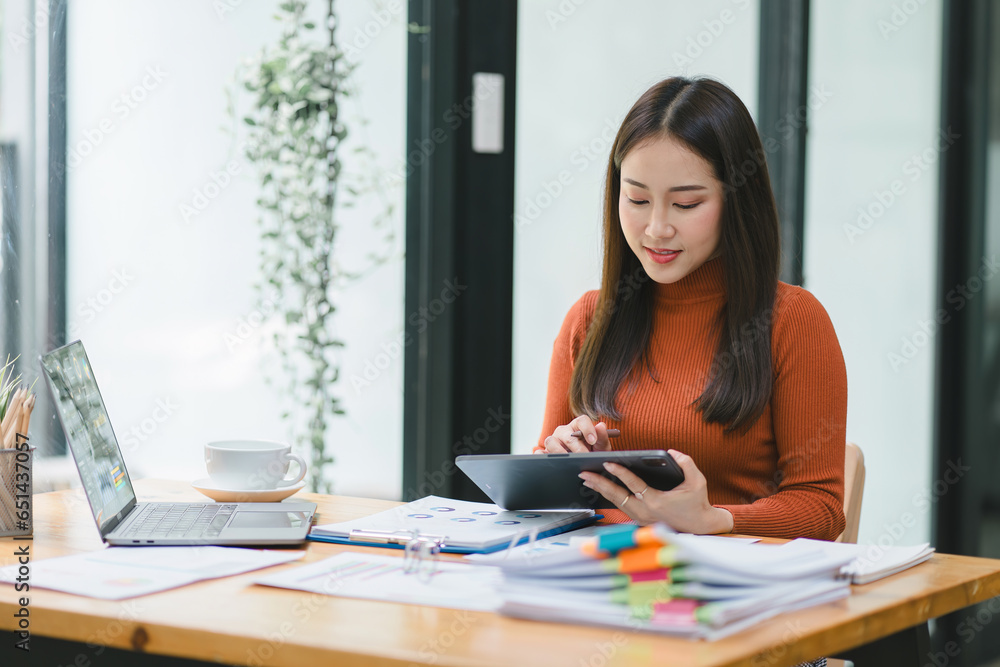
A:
(550, 481)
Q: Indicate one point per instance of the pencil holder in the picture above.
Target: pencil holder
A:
(15, 489)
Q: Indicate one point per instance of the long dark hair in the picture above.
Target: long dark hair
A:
(709, 119)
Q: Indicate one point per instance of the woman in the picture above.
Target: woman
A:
(692, 344)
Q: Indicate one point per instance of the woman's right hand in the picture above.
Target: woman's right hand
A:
(594, 437)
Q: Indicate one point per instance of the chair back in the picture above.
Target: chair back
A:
(854, 490)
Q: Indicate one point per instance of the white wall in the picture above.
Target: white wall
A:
(161, 337)
(877, 279)
(579, 72)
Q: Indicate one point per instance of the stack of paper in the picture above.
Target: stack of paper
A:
(871, 562)
(637, 578)
(651, 578)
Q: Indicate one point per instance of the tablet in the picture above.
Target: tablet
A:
(550, 481)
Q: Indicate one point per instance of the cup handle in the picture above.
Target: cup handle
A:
(302, 470)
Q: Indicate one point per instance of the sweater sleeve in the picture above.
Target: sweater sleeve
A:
(809, 416)
(564, 352)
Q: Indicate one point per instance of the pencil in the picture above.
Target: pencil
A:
(26, 408)
(612, 433)
(12, 419)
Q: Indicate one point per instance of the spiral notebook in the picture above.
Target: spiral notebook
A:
(454, 526)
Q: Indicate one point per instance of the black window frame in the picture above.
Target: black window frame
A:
(459, 246)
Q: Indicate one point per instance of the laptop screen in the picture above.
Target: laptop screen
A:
(88, 431)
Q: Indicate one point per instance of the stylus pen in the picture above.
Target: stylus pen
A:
(612, 433)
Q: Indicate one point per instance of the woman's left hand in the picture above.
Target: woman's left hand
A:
(685, 508)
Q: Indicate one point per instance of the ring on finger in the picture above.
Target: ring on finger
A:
(639, 495)
(622, 506)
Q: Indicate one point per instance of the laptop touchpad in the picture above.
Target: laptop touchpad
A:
(247, 519)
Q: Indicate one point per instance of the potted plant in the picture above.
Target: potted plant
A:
(296, 138)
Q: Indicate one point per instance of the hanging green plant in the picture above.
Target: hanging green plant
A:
(296, 136)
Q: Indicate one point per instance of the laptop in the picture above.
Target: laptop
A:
(120, 519)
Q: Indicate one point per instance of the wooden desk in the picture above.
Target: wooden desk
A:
(232, 621)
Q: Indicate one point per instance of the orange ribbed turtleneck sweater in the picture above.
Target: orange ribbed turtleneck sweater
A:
(782, 478)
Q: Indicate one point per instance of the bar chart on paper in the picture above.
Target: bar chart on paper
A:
(433, 583)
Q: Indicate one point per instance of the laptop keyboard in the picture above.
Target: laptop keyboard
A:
(179, 521)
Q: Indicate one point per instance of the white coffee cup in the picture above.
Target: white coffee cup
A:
(250, 465)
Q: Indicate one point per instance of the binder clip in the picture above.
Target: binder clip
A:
(530, 533)
(420, 555)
